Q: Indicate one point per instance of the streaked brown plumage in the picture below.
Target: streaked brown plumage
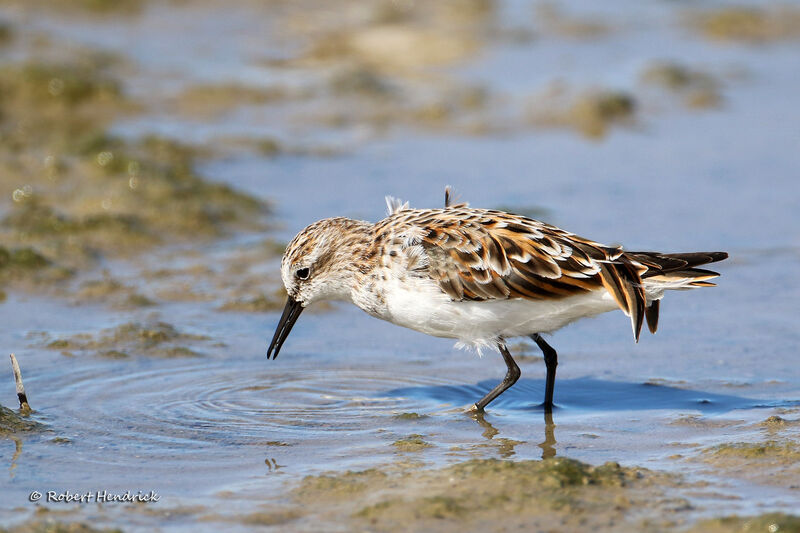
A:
(483, 254)
(480, 276)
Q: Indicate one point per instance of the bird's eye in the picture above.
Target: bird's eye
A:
(303, 273)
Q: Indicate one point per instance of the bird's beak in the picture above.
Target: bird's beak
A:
(288, 318)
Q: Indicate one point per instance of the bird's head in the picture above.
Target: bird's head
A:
(317, 265)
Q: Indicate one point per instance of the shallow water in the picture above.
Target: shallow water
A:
(218, 434)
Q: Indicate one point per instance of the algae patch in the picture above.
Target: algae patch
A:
(411, 443)
(212, 100)
(748, 24)
(591, 113)
(158, 339)
(767, 523)
(409, 416)
(108, 290)
(52, 526)
(259, 303)
(26, 267)
(76, 194)
(333, 487)
(784, 451)
(551, 19)
(771, 462)
(269, 518)
(21, 259)
(558, 493)
(696, 88)
(12, 423)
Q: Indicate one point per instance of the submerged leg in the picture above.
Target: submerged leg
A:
(551, 361)
(511, 377)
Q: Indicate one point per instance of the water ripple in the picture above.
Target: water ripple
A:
(189, 406)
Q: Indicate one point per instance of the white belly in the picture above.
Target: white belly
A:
(427, 309)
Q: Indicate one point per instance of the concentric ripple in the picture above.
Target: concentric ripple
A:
(155, 406)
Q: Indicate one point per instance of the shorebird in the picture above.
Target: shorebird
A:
(480, 276)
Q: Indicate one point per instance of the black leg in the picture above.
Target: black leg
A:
(551, 361)
(511, 377)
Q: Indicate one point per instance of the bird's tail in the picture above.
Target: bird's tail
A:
(637, 281)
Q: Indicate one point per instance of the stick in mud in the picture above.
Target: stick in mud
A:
(23, 398)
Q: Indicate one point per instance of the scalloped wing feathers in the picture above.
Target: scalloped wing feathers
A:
(480, 254)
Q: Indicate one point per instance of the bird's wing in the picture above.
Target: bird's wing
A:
(477, 255)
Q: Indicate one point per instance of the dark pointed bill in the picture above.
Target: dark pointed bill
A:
(288, 318)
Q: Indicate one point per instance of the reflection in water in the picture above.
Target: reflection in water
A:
(272, 464)
(548, 446)
(17, 453)
(489, 432)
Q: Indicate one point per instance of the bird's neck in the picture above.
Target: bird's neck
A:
(353, 253)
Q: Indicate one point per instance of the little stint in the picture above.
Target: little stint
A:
(480, 276)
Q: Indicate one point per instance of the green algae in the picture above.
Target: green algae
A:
(158, 339)
(12, 423)
(409, 416)
(375, 68)
(113, 354)
(213, 100)
(26, 267)
(154, 181)
(771, 462)
(7, 33)
(439, 507)
(36, 220)
(591, 113)
(556, 472)
(337, 486)
(112, 292)
(698, 89)
(747, 24)
(785, 451)
(411, 443)
(56, 84)
(52, 526)
(109, 6)
(777, 423)
(21, 259)
(563, 493)
(766, 523)
(551, 19)
(269, 518)
(80, 195)
(259, 303)
(48, 106)
(363, 81)
(86, 7)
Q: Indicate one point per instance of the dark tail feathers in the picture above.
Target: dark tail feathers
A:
(657, 266)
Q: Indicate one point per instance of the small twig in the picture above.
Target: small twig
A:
(23, 398)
